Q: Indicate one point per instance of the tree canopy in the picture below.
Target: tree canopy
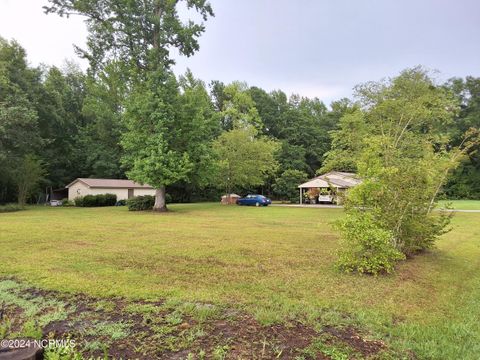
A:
(80, 124)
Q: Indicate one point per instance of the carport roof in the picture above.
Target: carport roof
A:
(336, 179)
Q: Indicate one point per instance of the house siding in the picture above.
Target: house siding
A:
(79, 189)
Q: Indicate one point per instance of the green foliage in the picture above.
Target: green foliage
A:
(403, 159)
(31, 330)
(238, 108)
(220, 352)
(66, 202)
(286, 185)
(96, 200)
(62, 353)
(28, 174)
(145, 202)
(113, 330)
(347, 143)
(464, 184)
(10, 208)
(98, 151)
(243, 160)
(140, 203)
(139, 33)
(366, 247)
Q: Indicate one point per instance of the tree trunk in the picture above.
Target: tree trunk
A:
(160, 203)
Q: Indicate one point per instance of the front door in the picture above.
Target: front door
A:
(130, 193)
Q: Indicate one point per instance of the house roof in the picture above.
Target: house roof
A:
(110, 183)
(334, 178)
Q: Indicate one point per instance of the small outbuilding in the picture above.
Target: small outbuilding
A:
(327, 187)
(124, 189)
(229, 199)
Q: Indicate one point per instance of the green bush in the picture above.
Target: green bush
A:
(66, 202)
(78, 201)
(10, 208)
(366, 247)
(96, 200)
(139, 203)
(110, 199)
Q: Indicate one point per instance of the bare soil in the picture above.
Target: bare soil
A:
(126, 329)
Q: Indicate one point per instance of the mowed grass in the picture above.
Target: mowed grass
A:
(275, 262)
(462, 204)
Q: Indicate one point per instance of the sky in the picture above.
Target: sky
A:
(315, 48)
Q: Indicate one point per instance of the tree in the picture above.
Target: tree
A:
(19, 132)
(151, 136)
(238, 108)
(59, 102)
(464, 181)
(403, 161)
(28, 174)
(286, 185)
(99, 149)
(243, 160)
(199, 125)
(347, 143)
(292, 157)
(139, 35)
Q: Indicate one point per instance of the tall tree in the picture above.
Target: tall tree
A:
(238, 108)
(347, 143)
(465, 181)
(243, 160)
(28, 173)
(19, 134)
(59, 102)
(139, 34)
(99, 147)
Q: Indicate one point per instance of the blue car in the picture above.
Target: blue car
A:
(257, 200)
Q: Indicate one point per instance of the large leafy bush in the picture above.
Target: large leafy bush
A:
(96, 200)
(366, 247)
(403, 158)
(139, 203)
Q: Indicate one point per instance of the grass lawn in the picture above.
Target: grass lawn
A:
(462, 204)
(275, 263)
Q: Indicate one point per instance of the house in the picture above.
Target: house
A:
(124, 189)
(327, 187)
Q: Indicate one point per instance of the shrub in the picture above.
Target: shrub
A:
(139, 203)
(96, 200)
(110, 199)
(91, 200)
(10, 208)
(366, 247)
(66, 202)
(78, 201)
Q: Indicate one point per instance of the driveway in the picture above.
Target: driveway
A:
(328, 206)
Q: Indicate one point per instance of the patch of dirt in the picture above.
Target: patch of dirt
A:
(354, 340)
(158, 330)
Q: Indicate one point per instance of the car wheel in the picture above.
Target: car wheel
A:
(257, 204)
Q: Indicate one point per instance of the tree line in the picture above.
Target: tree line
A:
(130, 116)
(60, 124)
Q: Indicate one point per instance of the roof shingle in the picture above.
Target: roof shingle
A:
(110, 183)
